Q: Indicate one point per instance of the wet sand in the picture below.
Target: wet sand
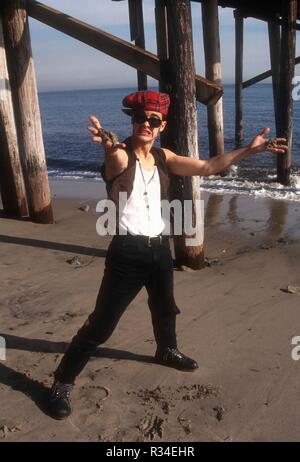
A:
(235, 320)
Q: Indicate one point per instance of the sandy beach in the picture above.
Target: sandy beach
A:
(236, 320)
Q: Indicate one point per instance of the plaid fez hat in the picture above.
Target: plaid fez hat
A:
(146, 101)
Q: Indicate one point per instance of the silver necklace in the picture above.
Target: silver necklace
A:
(146, 184)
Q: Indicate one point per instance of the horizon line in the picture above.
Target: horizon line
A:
(125, 87)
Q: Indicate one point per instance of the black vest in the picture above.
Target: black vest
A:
(124, 181)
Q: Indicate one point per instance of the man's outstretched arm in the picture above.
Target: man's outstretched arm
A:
(187, 166)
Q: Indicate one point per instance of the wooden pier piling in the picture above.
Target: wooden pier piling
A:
(11, 177)
(137, 33)
(285, 100)
(183, 122)
(26, 109)
(275, 46)
(161, 28)
(211, 40)
(239, 48)
(162, 44)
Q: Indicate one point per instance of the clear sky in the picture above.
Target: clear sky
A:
(63, 63)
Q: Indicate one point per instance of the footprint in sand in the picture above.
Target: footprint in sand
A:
(90, 401)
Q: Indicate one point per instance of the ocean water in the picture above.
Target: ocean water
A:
(70, 153)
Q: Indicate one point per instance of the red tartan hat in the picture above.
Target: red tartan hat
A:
(146, 101)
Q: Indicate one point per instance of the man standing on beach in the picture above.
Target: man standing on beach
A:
(139, 254)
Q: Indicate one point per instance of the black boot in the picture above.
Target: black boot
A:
(59, 401)
(172, 357)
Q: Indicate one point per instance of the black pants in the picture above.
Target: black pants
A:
(130, 264)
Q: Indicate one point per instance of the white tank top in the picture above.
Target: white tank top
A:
(136, 218)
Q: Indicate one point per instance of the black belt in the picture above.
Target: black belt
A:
(149, 241)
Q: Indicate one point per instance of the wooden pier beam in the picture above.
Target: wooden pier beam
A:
(285, 100)
(275, 46)
(11, 177)
(206, 92)
(26, 109)
(239, 46)
(137, 33)
(211, 40)
(182, 122)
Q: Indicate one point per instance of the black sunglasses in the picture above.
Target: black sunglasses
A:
(154, 122)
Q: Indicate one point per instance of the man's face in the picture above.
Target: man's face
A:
(145, 127)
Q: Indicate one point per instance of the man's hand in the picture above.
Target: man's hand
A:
(108, 144)
(261, 144)
(116, 159)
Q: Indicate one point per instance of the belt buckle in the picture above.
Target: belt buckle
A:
(155, 237)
